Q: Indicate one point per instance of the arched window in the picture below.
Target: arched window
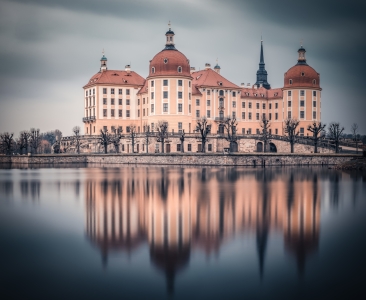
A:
(302, 74)
(314, 81)
(221, 93)
(179, 69)
(153, 70)
(290, 81)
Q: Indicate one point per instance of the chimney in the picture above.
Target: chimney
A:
(207, 66)
(128, 69)
(242, 84)
(248, 84)
(193, 69)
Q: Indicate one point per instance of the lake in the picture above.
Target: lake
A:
(169, 232)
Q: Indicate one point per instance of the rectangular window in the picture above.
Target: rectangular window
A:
(112, 112)
(234, 115)
(257, 105)
(180, 82)
(104, 113)
(189, 96)
(120, 101)
(165, 95)
(180, 107)
(112, 91)
(128, 129)
(314, 93)
(257, 131)
(243, 115)
(119, 91)
(270, 106)
(289, 115)
(234, 94)
(104, 91)
(120, 113)
(243, 131)
(208, 92)
(302, 93)
(86, 93)
(263, 116)
(112, 101)
(128, 113)
(189, 108)
(189, 147)
(302, 114)
(143, 112)
(208, 114)
(208, 102)
(165, 82)
(152, 127)
(276, 105)
(289, 93)
(250, 104)
(105, 128)
(138, 101)
(143, 100)
(180, 126)
(289, 103)
(178, 147)
(264, 106)
(276, 130)
(270, 116)
(127, 92)
(314, 103)
(302, 103)
(165, 107)
(243, 105)
(250, 116)
(152, 83)
(257, 116)
(127, 101)
(112, 128)
(138, 113)
(152, 95)
(104, 101)
(276, 116)
(234, 104)
(314, 114)
(250, 131)
(301, 131)
(180, 95)
(197, 102)
(152, 108)
(209, 147)
(197, 113)
(93, 91)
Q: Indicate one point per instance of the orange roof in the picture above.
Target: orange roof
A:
(261, 93)
(302, 76)
(211, 78)
(195, 90)
(166, 62)
(143, 90)
(117, 78)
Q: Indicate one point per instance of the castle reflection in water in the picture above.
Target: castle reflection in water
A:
(180, 210)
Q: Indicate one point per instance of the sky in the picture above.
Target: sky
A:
(51, 48)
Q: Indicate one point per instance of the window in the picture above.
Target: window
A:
(104, 91)
(276, 105)
(189, 83)
(128, 129)
(189, 96)
(128, 113)
(289, 93)
(257, 105)
(270, 106)
(302, 74)
(179, 69)
(112, 101)
(314, 81)
(234, 104)
(143, 112)
(180, 82)
(257, 116)
(314, 93)
(120, 113)
(197, 113)
(152, 127)
(105, 101)
(264, 106)
(243, 131)
(138, 113)
(180, 107)
(165, 82)
(197, 102)
(152, 83)
(301, 131)
(180, 95)
(208, 114)
(302, 114)
(119, 91)
(290, 81)
(138, 101)
(112, 112)
(221, 102)
(243, 105)
(276, 116)
(250, 116)
(165, 107)
(128, 92)
(180, 127)
(189, 108)
(289, 103)
(208, 92)
(234, 115)
(93, 91)
(250, 104)
(270, 116)
(276, 131)
(209, 148)
(257, 131)
(189, 147)
(314, 114)
(152, 70)
(104, 113)
(234, 94)
(302, 103)
(152, 108)
(243, 115)
(221, 93)
(302, 93)
(289, 115)
(87, 93)
(165, 95)
(152, 95)
(113, 128)
(112, 91)
(263, 115)
(314, 103)
(93, 100)
(120, 101)
(208, 102)
(105, 128)
(250, 131)
(178, 147)
(127, 101)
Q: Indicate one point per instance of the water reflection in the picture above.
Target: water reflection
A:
(181, 210)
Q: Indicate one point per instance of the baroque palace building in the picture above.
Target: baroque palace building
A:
(178, 94)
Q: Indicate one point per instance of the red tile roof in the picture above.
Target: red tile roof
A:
(143, 90)
(166, 62)
(210, 78)
(302, 76)
(261, 93)
(196, 91)
(117, 78)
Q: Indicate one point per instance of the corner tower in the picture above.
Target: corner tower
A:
(262, 73)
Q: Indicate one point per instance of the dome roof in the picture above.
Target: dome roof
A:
(103, 58)
(167, 62)
(302, 75)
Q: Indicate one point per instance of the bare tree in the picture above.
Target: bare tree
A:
(7, 143)
(76, 138)
(203, 127)
(147, 136)
(132, 136)
(356, 136)
(265, 134)
(34, 140)
(335, 133)
(23, 141)
(162, 136)
(290, 130)
(116, 138)
(182, 141)
(105, 139)
(317, 129)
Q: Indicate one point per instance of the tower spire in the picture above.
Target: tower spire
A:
(169, 39)
(262, 73)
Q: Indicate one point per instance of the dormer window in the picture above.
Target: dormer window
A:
(165, 60)
(314, 81)
(153, 70)
(179, 69)
(302, 74)
(255, 95)
(198, 77)
(220, 83)
(290, 81)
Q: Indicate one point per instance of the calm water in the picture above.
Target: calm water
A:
(182, 233)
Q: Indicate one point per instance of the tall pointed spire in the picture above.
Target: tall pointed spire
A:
(262, 73)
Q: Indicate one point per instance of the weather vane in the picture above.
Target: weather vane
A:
(169, 24)
(103, 51)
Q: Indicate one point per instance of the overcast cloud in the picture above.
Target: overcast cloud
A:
(50, 49)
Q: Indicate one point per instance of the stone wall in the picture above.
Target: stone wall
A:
(253, 159)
